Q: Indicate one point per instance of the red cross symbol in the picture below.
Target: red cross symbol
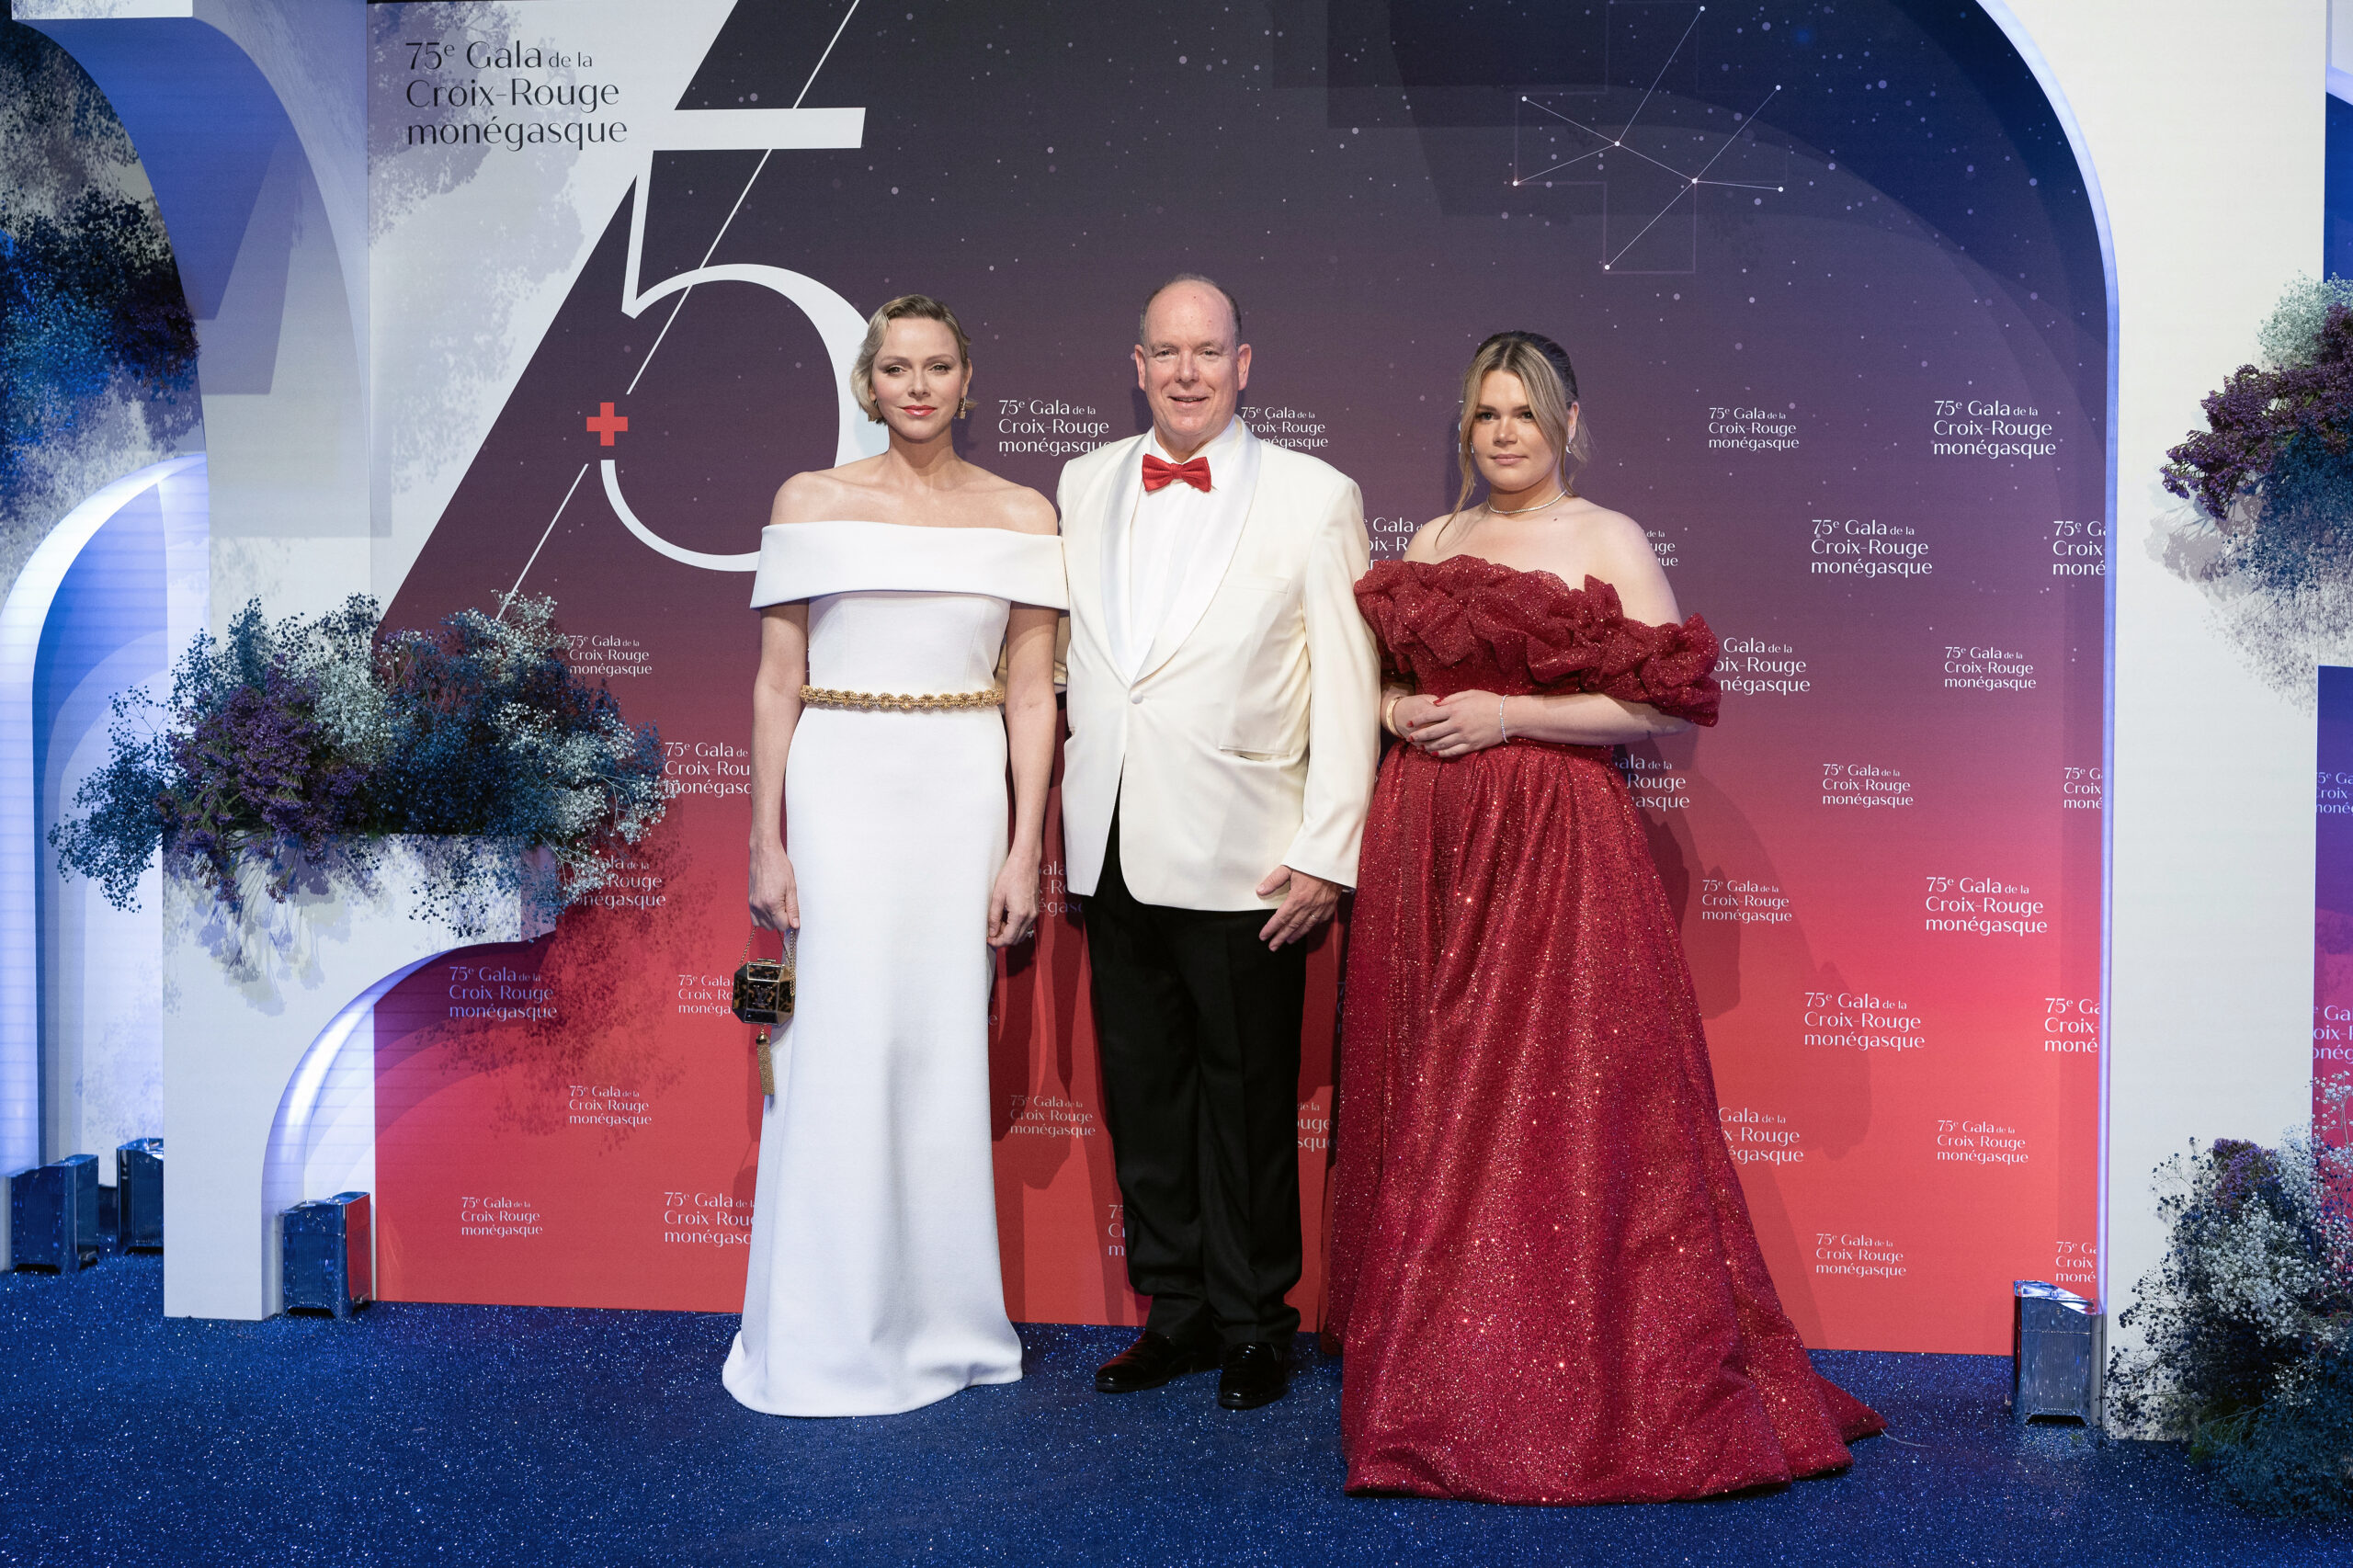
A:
(608, 424)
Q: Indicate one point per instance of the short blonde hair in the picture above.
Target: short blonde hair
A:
(918, 307)
(1543, 368)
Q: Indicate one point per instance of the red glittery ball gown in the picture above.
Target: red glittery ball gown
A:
(1544, 1278)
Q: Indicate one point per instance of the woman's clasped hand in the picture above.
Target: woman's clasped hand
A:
(1451, 726)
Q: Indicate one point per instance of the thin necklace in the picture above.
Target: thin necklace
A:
(1557, 495)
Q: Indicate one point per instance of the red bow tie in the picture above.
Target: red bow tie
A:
(1159, 472)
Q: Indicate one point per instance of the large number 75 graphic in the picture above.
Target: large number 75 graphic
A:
(840, 326)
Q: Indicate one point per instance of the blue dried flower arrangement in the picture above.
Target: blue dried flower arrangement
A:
(2247, 1325)
(301, 746)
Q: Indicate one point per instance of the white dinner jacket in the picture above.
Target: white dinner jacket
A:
(1248, 737)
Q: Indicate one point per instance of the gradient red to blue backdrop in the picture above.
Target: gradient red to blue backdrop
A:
(1835, 295)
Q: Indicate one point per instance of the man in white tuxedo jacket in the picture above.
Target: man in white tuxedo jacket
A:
(1223, 731)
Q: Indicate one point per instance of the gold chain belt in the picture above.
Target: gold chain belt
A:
(899, 702)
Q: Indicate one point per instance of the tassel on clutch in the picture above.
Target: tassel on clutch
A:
(764, 997)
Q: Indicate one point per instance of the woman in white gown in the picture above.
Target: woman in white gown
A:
(889, 589)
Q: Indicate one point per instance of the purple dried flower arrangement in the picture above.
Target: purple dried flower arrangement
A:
(298, 747)
(2273, 471)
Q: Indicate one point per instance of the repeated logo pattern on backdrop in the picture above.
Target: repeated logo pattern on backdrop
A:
(2332, 909)
(1835, 296)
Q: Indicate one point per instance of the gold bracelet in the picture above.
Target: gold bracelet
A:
(901, 702)
(1389, 715)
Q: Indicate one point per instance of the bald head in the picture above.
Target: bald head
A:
(1198, 288)
(1191, 363)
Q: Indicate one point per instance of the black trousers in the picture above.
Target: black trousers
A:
(1199, 1027)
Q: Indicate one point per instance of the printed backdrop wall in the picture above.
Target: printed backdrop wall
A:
(1835, 295)
(2332, 909)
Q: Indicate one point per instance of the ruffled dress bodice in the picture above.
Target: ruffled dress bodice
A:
(1469, 624)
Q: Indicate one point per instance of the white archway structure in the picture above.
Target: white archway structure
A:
(177, 489)
(258, 1005)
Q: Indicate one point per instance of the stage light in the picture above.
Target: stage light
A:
(139, 1195)
(326, 1255)
(53, 1215)
(2055, 1358)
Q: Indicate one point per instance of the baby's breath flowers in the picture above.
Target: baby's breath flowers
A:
(2247, 1325)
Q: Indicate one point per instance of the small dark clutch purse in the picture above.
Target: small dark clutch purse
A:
(764, 992)
(764, 997)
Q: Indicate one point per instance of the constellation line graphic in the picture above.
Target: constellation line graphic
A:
(1688, 182)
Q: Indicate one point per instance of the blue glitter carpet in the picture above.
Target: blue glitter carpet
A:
(503, 1435)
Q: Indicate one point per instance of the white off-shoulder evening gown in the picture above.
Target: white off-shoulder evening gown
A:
(874, 1282)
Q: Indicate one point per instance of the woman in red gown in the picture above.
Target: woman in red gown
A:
(1544, 1279)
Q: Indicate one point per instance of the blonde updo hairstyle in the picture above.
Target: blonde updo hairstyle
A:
(1543, 368)
(919, 307)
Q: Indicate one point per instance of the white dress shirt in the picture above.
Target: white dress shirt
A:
(1163, 540)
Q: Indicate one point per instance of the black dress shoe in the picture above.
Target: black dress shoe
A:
(1253, 1375)
(1151, 1360)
